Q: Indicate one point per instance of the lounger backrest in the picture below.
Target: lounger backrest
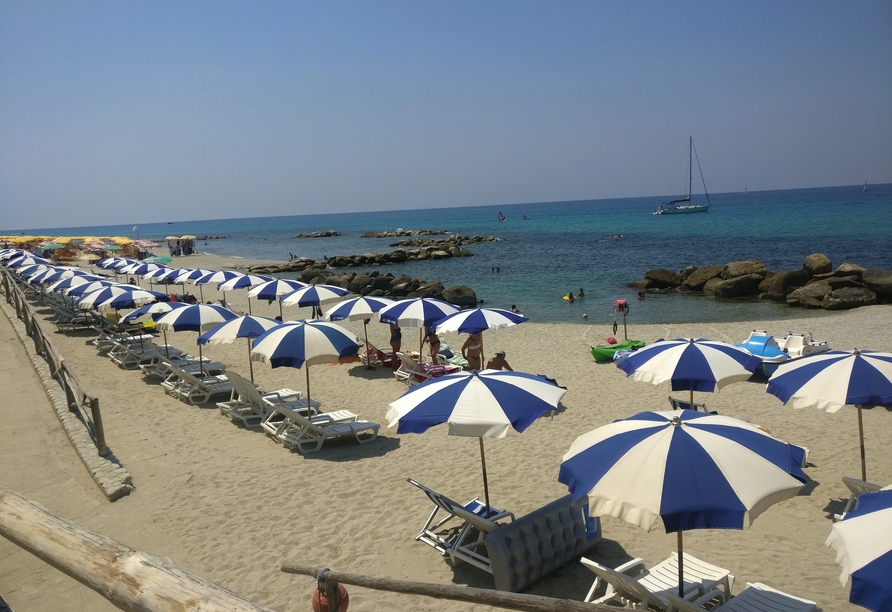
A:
(624, 584)
(438, 500)
(243, 388)
(860, 486)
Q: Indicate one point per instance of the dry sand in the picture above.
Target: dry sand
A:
(231, 505)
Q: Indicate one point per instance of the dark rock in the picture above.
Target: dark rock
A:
(309, 274)
(849, 297)
(783, 283)
(461, 296)
(849, 269)
(878, 280)
(428, 290)
(738, 286)
(817, 263)
(744, 268)
(698, 278)
(686, 273)
(709, 287)
(661, 278)
(381, 282)
(400, 280)
(810, 296)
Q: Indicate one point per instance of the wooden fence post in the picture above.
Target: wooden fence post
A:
(97, 427)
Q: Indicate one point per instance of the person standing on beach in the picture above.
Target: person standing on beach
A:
(431, 337)
(472, 351)
(396, 341)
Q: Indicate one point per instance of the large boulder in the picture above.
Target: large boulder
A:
(738, 286)
(399, 280)
(879, 281)
(461, 296)
(428, 290)
(696, 279)
(849, 297)
(309, 274)
(359, 282)
(709, 287)
(744, 268)
(817, 263)
(661, 278)
(810, 296)
(381, 282)
(783, 283)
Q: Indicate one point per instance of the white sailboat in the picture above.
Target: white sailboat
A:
(684, 205)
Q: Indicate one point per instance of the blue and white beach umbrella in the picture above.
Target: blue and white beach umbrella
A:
(357, 308)
(478, 320)
(73, 281)
(834, 379)
(218, 277)
(274, 289)
(245, 281)
(131, 297)
(247, 327)
(416, 312)
(314, 295)
(26, 259)
(689, 469)
(156, 310)
(190, 274)
(863, 545)
(691, 364)
(78, 290)
(195, 317)
(296, 344)
(479, 403)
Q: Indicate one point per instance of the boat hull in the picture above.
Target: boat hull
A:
(680, 210)
(605, 354)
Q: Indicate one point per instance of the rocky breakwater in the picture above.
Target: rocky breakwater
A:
(815, 285)
(319, 234)
(396, 287)
(404, 232)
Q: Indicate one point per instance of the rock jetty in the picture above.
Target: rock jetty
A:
(397, 287)
(404, 232)
(444, 242)
(319, 234)
(815, 285)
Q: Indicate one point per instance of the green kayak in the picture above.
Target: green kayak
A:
(604, 354)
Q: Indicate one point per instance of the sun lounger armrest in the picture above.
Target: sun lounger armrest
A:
(625, 567)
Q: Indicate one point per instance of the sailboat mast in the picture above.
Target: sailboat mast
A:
(690, 167)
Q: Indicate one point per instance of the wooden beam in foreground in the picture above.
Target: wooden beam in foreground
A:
(489, 597)
(132, 580)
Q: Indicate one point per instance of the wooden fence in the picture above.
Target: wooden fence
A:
(80, 401)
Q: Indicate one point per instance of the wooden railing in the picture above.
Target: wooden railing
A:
(80, 401)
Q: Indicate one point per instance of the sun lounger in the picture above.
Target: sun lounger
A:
(649, 589)
(678, 404)
(308, 435)
(756, 597)
(455, 538)
(250, 406)
(857, 487)
(413, 372)
(130, 356)
(194, 389)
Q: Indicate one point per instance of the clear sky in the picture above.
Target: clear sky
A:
(133, 112)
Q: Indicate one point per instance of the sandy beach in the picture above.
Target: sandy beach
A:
(230, 505)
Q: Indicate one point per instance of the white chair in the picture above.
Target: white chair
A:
(756, 597)
(649, 589)
(678, 404)
(251, 406)
(308, 435)
(193, 389)
(857, 487)
(463, 539)
(410, 371)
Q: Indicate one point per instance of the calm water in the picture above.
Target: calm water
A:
(567, 245)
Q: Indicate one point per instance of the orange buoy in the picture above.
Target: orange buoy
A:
(320, 601)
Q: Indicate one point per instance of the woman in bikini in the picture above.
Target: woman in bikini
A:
(396, 341)
(431, 337)
(472, 350)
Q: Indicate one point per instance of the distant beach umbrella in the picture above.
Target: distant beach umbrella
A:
(33, 270)
(359, 308)
(475, 403)
(834, 379)
(689, 469)
(26, 260)
(478, 320)
(10, 253)
(274, 289)
(416, 312)
(298, 344)
(247, 327)
(246, 281)
(156, 310)
(118, 296)
(691, 364)
(158, 259)
(314, 295)
(216, 278)
(82, 289)
(189, 274)
(195, 317)
(863, 544)
(52, 275)
(73, 281)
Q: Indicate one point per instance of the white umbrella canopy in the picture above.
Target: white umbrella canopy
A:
(359, 308)
(195, 317)
(247, 327)
(314, 295)
(416, 312)
(274, 289)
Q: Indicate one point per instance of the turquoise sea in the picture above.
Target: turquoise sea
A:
(563, 246)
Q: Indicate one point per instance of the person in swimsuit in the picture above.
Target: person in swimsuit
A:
(498, 362)
(472, 350)
(431, 337)
(396, 341)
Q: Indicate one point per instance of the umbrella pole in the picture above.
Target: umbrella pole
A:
(692, 400)
(250, 365)
(680, 565)
(281, 315)
(201, 292)
(249, 304)
(861, 437)
(485, 481)
(625, 329)
(309, 406)
(368, 357)
(166, 346)
(201, 361)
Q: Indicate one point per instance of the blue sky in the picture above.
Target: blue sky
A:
(133, 112)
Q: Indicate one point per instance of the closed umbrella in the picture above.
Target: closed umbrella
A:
(416, 312)
(863, 545)
(195, 317)
(689, 469)
(691, 364)
(835, 379)
(315, 296)
(247, 327)
(478, 403)
(359, 308)
(298, 344)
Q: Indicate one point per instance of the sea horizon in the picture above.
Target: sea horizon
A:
(599, 245)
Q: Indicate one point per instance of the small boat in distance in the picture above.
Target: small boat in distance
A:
(865, 186)
(684, 205)
(501, 216)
